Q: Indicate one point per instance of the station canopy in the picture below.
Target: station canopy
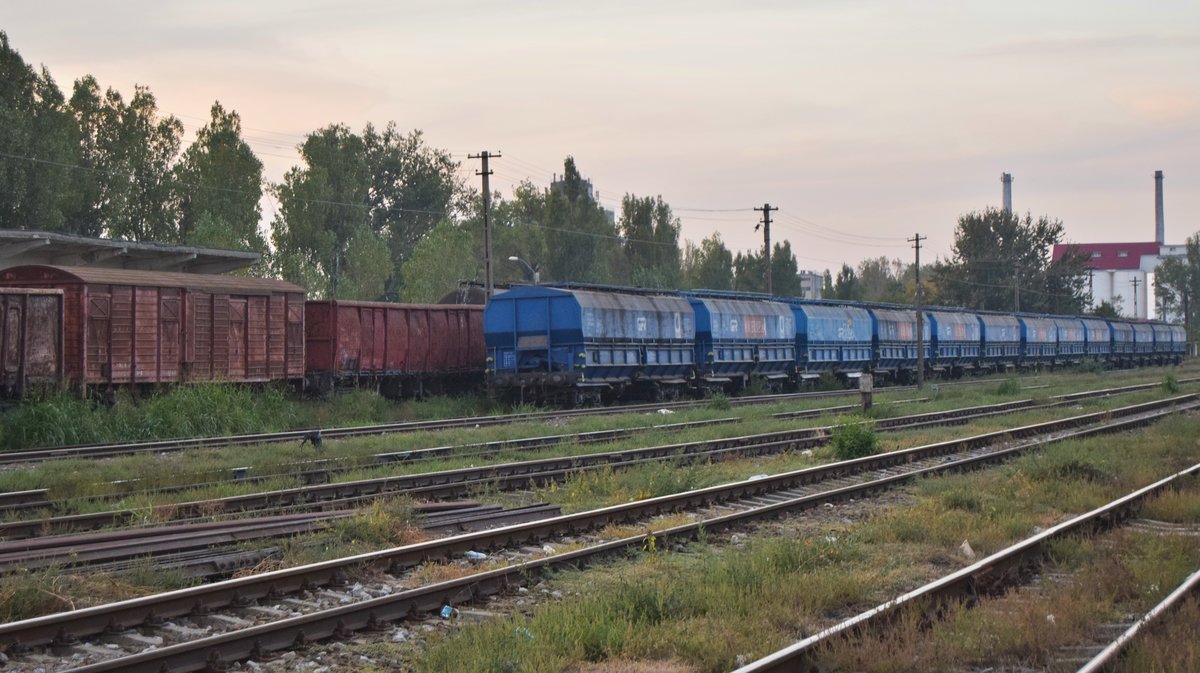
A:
(19, 248)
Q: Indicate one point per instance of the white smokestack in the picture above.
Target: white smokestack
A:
(1006, 180)
(1160, 227)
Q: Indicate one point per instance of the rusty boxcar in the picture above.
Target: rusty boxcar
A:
(403, 349)
(31, 340)
(125, 327)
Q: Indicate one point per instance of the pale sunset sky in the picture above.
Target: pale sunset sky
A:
(864, 121)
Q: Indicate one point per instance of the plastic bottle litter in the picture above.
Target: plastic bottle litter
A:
(523, 633)
(447, 611)
(665, 412)
(475, 556)
(757, 477)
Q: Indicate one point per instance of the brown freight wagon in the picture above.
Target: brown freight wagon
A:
(403, 349)
(126, 327)
(31, 340)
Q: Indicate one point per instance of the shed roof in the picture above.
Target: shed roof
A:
(19, 247)
(194, 281)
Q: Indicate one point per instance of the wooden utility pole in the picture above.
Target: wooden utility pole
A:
(766, 227)
(916, 241)
(1136, 282)
(487, 217)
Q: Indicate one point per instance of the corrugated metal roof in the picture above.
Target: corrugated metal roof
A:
(194, 281)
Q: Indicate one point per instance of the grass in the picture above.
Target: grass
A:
(854, 439)
(716, 606)
(80, 479)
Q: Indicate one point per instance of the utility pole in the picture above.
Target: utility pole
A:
(766, 227)
(487, 217)
(916, 241)
(1136, 282)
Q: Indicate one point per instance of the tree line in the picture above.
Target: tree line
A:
(379, 213)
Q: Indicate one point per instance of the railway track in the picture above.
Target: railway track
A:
(463, 482)
(39, 455)
(989, 576)
(236, 627)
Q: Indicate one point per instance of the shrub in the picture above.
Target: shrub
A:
(1089, 366)
(1009, 386)
(1171, 384)
(718, 402)
(854, 440)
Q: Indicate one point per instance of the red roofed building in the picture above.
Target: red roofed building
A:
(1120, 270)
(1125, 271)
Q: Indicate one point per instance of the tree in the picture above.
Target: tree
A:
(709, 265)
(582, 243)
(322, 234)
(1001, 261)
(1177, 284)
(38, 147)
(1108, 309)
(218, 184)
(748, 272)
(847, 286)
(827, 291)
(883, 280)
(136, 151)
(785, 271)
(444, 256)
(412, 188)
(651, 241)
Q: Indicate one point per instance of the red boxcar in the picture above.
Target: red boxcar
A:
(141, 327)
(31, 343)
(401, 348)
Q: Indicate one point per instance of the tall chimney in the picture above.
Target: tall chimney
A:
(1160, 227)
(1006, 180)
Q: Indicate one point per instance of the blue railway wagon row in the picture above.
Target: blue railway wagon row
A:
(1097, 337)
(1143, 342)
(740, 338)
(1001, 340)
(1072, 340)
(1179, 343)
(957, 340)
(1122, 340)
(831, 338)
(895, 341)
(1162, 341)
(1039, 340)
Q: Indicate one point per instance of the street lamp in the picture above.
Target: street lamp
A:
(531, 272)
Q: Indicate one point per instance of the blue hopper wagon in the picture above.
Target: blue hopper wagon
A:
(1097, 337)
(1122, 342)
(831, 338)
(741, 339)
(1001, 341)
(1039, 341)
(956, 341)
(1072, 340)
(895, 343)
(581, 345)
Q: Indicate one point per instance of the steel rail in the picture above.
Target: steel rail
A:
(167, 445)
(63, 627)
(1113, 651)
(503, 476)
(981, 577)
(214, 652)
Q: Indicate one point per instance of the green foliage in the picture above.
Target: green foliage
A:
(1177, 284)
(445, 256)
(748, 271)
(854, 440)
(847, 285)
(993, 249)
(718, 402)
(183, 411)
(1170, 384)
(218, 184)
(709, 265)
(1089, 366)
(39, 142)
(1108, 309)
(651, 241)
(1009, 386)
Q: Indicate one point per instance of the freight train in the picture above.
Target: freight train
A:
(583, 344)
(94, 330)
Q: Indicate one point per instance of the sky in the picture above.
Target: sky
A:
(865, 122)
